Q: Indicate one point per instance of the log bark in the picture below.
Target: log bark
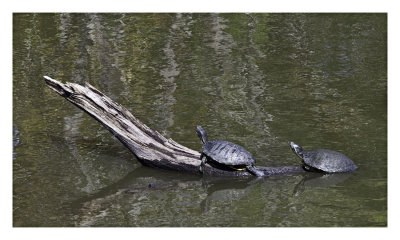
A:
(150, 147)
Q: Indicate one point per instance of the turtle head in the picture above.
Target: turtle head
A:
(202, 134)
(297, 149)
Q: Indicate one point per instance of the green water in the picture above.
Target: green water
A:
(259, 80)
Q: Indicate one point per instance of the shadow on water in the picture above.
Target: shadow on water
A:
(130, 193)
(145, 189)
(143, 179)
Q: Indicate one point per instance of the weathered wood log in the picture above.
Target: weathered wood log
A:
(150, 147)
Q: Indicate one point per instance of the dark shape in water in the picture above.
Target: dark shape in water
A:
(15, 136)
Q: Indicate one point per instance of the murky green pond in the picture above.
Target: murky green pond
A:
(259, 80)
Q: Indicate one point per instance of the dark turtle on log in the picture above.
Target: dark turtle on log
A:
(323, 160)
(226, 153)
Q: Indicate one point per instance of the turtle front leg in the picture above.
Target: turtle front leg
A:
(203, 162)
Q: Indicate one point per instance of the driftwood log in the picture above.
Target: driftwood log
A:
(150, 147)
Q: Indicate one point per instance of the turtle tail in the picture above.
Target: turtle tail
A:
(202, 134)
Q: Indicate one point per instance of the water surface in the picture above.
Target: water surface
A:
(259, 80)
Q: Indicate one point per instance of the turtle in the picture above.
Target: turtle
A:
(323, 160)
(226, 153)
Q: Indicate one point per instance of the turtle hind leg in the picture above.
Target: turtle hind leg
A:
(203, 162)
(255, 171)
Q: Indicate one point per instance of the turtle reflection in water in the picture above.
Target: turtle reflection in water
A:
(322, 160)
(226, 153)
(319, 181)
(225, 192)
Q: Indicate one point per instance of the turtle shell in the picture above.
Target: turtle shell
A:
(228, 153)
(328, 161)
